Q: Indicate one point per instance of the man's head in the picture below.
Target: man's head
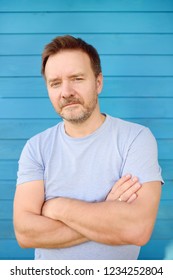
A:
(73, 76)
(68, 42)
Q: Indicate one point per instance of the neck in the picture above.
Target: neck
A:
(84, 129)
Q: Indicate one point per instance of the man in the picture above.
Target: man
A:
(77, 196)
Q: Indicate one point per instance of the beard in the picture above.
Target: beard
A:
(79, 112)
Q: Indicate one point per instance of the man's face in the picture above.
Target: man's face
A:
(72, 86)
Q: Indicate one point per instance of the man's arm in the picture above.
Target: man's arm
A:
(34, 230)
(37, 231)
(111, 222)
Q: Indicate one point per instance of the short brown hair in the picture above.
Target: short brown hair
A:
(68, 42)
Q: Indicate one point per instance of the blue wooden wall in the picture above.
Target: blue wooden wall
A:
(135, 41)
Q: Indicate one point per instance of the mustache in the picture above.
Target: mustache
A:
(69, 101)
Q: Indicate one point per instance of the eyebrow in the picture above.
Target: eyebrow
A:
(70, 76)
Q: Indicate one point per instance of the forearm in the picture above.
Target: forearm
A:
(104, 222)
(36, 231)
(111, 222)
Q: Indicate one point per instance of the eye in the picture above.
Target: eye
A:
(55, 84)
(78, 79)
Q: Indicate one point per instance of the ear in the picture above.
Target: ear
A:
(99, 83)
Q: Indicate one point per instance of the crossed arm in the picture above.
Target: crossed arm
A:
(64, 222)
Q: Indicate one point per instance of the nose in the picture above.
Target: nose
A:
(67, 90)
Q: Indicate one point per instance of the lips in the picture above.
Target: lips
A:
(67, 103)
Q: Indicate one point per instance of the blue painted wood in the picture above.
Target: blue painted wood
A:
(10, 250)
(90, 5)
(7, 189)
(118, 107)
(157, 250)
(11, 149)
(134, 39)
(113, 87)
(26, 128)
(23, 66)
(8, 169)
(132, 44)
(56, 22)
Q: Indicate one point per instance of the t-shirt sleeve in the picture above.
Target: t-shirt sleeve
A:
(142, 158)
(30, 165)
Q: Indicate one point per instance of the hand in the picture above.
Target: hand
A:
(125, 189)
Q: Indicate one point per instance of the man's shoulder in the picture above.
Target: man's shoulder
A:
(126, 125)
(46, 134)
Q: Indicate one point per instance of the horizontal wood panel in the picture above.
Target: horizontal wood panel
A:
(113, 87)
(6, 209)
(26, 128)
(163, 230)
(157, 250)
(11, 149)
(167, 190)
(10, 250)
(33, 44)
(59, 22)
(8, 169)
(131, 107)
(90, 5)
(166, 210)
(7, 230)
(7, 189)
(111, 65)
(117, 107)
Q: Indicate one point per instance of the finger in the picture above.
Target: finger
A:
(128, 193)
(132, 198)
(118, 191)
(121, 182)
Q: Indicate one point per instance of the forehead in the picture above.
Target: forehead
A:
(67, 62)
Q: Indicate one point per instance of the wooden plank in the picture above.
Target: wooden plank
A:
(167, 191)
(10, 250)
(161, 128)
(90, 5)
(132, 44)
(11, 149)
(7, 189)
(112, 66)
(113, 22)
(163, 230)
(157, 250)
(113, 87)
(6, 209)
(26, 128)
(165, 148)
(166, 209)
(7, 230)
(117, 107)
(8, 169)
(136, 108)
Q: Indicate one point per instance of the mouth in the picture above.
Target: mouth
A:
(71, 104)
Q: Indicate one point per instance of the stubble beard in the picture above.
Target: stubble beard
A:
(78, 115)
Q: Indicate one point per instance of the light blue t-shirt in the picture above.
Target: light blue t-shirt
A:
(87, 168)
